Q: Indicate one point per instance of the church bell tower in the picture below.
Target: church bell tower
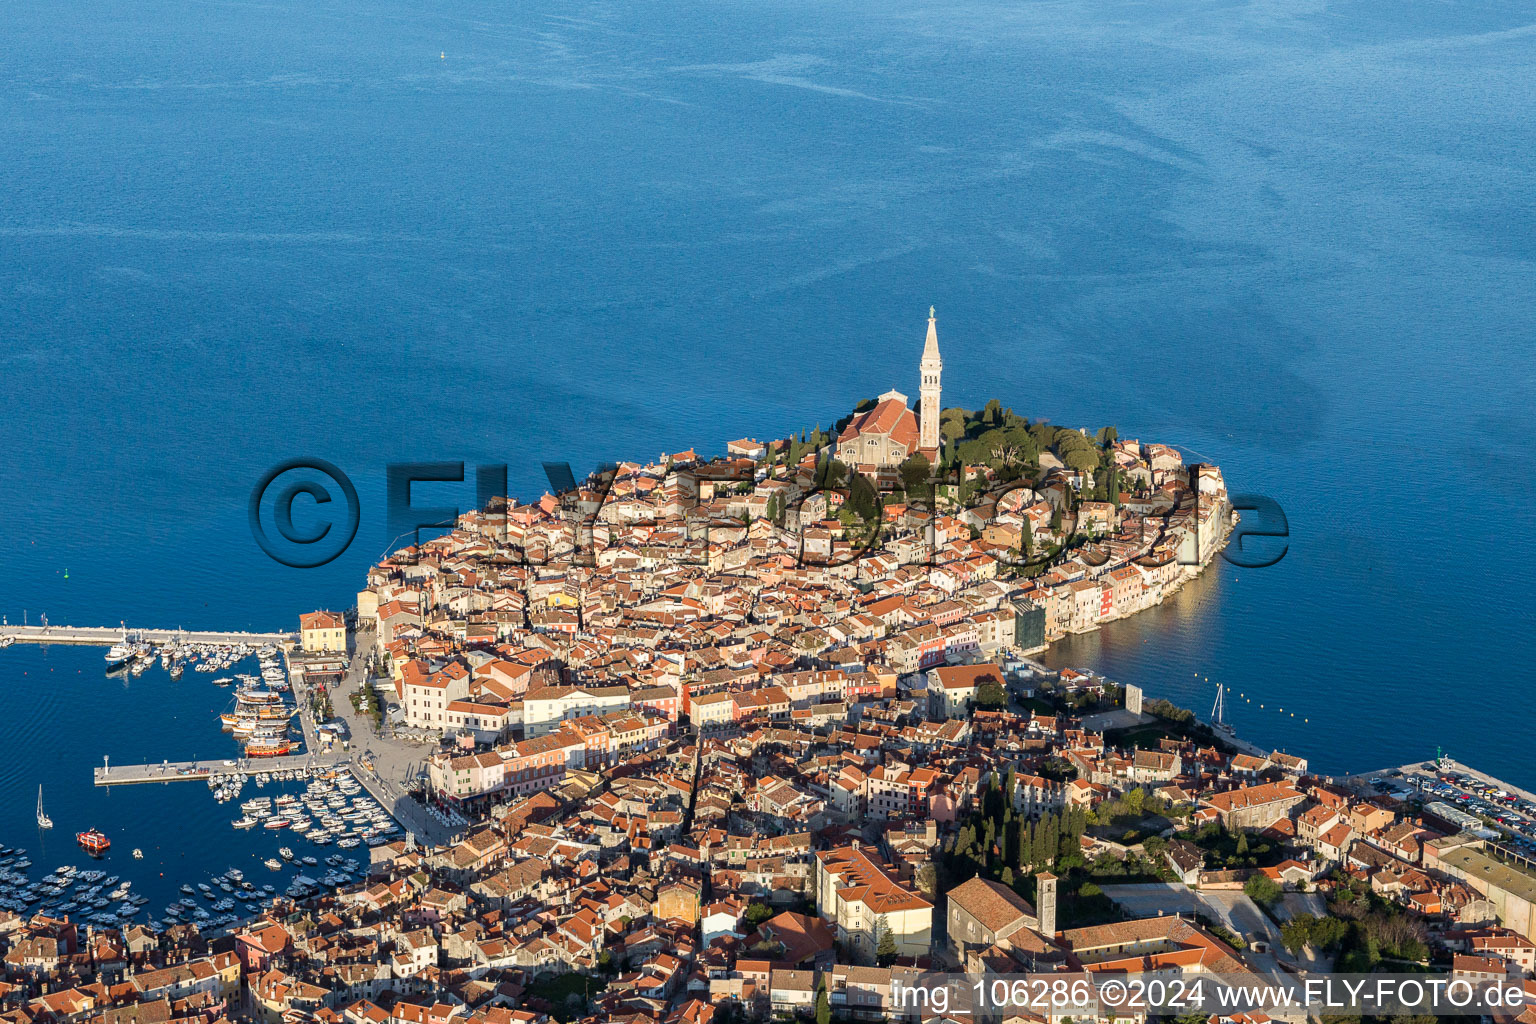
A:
(928, 397)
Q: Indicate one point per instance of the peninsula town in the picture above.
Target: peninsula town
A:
(759, 736)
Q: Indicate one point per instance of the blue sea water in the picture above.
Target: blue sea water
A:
(1294, 236)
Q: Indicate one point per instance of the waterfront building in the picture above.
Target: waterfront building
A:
(323, 631)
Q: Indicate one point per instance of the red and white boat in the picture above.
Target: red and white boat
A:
(93, 842)
(275, 823)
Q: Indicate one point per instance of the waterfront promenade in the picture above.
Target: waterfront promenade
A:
(105, 636)
(397, 764)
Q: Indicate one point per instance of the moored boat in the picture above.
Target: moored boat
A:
(268, 748)
(94, 841)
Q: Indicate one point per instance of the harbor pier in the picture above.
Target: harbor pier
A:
(106, 636)
(180, 771)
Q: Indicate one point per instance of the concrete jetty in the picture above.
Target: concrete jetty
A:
(105, 636)
(179, 771)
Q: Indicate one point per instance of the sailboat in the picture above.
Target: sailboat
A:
(1219, 714)
(43, 821)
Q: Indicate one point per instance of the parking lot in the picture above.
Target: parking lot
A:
(1505, 808)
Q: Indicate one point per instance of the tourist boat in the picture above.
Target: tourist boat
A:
(94, 841)
(263, 713)
(268, 747)
(258, 696)
(43, 821)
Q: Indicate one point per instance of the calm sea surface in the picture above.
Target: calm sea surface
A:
(1295, 237)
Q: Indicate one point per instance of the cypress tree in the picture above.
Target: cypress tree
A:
(1037, 855)
(1052, 840)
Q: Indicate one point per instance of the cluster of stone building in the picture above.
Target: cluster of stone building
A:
(712, 746)
(561, 635)
(749, 868)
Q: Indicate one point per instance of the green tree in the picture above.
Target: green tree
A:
(757, 913)
(772, 512)
(863, 498)
(991, 696)
(823, 1004)
(914, 475)
(1263, 890)
(1082, 460)
(885, 943)
(952, 425)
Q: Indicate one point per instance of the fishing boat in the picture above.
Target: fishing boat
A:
(43, 821)
(119, 654)
(94, 841)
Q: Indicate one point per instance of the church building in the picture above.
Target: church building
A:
(881, 438)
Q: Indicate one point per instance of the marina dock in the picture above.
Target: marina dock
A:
(179, 771)
(106, 636)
